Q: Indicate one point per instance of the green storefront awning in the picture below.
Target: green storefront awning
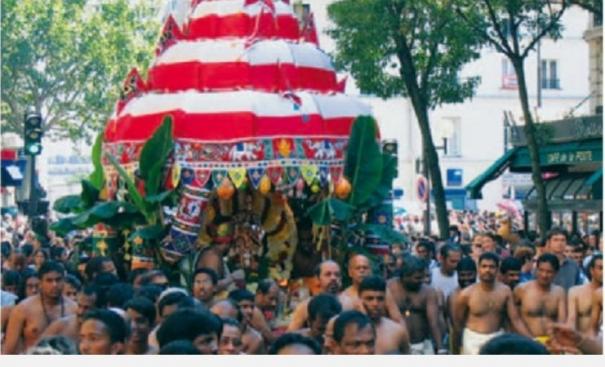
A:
(572, 153)
(473, 189)
(598, 175)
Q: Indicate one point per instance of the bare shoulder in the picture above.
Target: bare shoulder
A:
(467, 292)
(393, 283)
(573, 291)
(558, 290)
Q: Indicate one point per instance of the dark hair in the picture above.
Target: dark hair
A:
(188, 324)
(181, 346)
(27, 249)
(489, 256)
(556, 232)
(447, 248)
(210, 272)
(6, 249)
(25, 275)
(512, 344)
(56, 252)
(94, 266)
(175, 298)
(411, 265)
(50, 266)
(116, 326)
(103, 281)
(133, 274)
(73, 281)
(428, 245)
(349, 317)
(510, 264)
(466, 264)
(324, 306)
(150, 291)
(238, 295)
(593, 260)
(119, 294)
(143, 306)
(149, 275)
(372, 283)
(231, 321)
(44, 252)
(549, 258)
(10, 277)
(264, 286)
(294, 339)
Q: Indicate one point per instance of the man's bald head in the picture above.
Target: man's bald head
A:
(330, 277)
(359, 268)
(226, 309)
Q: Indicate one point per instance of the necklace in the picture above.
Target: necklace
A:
(48, 319)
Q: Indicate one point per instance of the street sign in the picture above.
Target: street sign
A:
(422, 192)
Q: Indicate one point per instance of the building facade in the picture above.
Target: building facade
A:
(475, 129)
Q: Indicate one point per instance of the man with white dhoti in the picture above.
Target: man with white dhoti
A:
(482, 309)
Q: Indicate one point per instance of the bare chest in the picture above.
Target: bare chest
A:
(535, 304)
(483, 303)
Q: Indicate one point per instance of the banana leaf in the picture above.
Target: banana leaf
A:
(97, 178)
(63, 226)
(67, 204)
(363, 161)
(148, 232)
(134, 194)
(154, 154)
(89, 195)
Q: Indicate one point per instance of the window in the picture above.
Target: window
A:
(509, 78)
(548, 75)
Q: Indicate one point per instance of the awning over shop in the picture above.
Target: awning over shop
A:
(491, 173)
(571, 153)
(571, 192)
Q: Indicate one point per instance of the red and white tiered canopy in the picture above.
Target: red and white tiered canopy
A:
(247, 87)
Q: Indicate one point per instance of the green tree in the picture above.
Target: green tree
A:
(513, 28)
(407, 48)
(68, 58)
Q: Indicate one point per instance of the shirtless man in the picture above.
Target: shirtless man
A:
(391, 337)
(253, 342)
(597, 312)
(321, 309)
(579, 301)
(330, 281)
(31, 317)
(541, 302)
(467, 275)
(480, 309)
(353, 333)
(419, 305)
(359, 267)
(69, 326)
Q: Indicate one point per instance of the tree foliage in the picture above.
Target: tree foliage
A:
(372, 37)
(67, 59)
(514, 28)
(412, 48)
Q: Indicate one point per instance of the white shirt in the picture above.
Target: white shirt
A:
(447, 284)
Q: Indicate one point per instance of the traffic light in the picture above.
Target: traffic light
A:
(33, 134)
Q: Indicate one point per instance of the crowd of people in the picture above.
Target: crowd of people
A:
(478, 292)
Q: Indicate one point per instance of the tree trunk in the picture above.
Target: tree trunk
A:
(432, 160)
(532, 146)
